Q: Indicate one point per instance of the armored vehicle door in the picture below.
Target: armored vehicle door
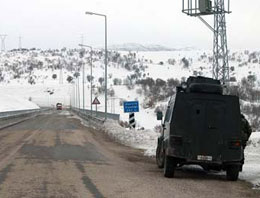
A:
(207, 123)
(167, 121)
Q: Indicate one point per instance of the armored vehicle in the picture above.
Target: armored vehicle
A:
(203, 127)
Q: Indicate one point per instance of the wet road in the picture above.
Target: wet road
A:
(53, 155)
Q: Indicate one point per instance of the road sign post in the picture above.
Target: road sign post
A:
(132, 120)
(131, 107)
(96, 102)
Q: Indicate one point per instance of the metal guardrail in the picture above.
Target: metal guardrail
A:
(97, 115)
(11, 114)
(87, 117)
(11, 118)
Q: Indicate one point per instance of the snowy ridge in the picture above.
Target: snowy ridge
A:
(139, 47)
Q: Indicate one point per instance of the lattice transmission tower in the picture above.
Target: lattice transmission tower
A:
(3, 37)
(218, 8)
(20, 42)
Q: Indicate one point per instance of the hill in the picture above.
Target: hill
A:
(150, 77)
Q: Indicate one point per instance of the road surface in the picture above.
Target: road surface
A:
(53, 155)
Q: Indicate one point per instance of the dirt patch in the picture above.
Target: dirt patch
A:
(88, 182)
(63, 152)
(4, 173)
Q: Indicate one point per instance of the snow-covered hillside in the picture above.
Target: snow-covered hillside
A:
(138, 47)
(11, 103)
(48, 77)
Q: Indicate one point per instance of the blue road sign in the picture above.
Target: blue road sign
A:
(131, 106)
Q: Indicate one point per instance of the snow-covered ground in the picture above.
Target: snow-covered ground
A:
(45, 95)
(140, 139)
(11, 103)
(251, 171)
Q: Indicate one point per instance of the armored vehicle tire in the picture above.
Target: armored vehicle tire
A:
(160, 157)
(160, 154)
(232, 173)
(169, 167)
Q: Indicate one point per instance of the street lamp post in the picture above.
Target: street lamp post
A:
(91, 75)
(72, 95)
(78, 89)
(75, 95)
(83, 78)
(106, 61)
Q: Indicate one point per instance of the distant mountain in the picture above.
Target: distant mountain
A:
(139, 47)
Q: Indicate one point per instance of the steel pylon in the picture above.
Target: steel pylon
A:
(2, 38)
(220, 50)
(218, 8)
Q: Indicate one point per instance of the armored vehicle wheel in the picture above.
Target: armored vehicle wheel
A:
(232, 173)
(160, 155)
(169, 167)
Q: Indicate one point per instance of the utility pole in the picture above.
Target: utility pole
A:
(82, 39)
(78, 92)
(106, 56)
(20, 43)
(3, 37)
(91, 75)
(218, 8)
(220, 51)
(61, 72)
(75, 94)
(81, 54)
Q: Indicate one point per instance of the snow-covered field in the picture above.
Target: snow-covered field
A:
(251, 170)
(39, 93)
(11, 103)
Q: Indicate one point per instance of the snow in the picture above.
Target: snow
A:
(138, 47)
(140, 139)
(10, 103)
(39, 93)
(251, 169)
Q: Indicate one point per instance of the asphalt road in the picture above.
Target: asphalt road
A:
(53, 155)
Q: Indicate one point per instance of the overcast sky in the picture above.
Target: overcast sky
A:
(59, 23)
